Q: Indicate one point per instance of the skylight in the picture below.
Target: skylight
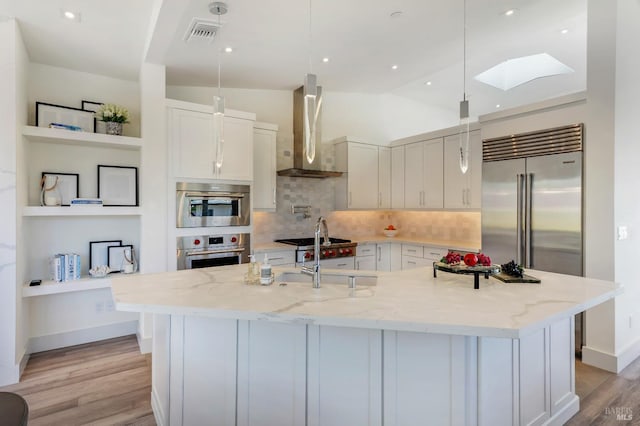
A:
(514, 72)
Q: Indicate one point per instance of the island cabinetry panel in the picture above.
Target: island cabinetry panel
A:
(462, 190)
(194, 154)
(562, 375)
(264, 167)
(271, 373)
(344, 376)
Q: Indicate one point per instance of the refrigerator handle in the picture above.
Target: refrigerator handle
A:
(519, 219)
(527, 221)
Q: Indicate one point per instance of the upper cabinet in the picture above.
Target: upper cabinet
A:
(194, 154)
(397, 177)
(366, 182)
(423, 175)
(264, 167)
(462, 191)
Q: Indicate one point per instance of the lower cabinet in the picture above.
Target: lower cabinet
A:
(278, 258)
(366, 257)
(339, 263)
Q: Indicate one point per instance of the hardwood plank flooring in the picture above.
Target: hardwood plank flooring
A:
(101, 383)
(109, 383)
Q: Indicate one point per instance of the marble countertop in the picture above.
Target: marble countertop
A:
(411, 300)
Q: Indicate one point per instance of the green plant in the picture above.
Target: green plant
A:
(114, 113)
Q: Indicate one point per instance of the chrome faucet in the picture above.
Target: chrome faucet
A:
(314, 270)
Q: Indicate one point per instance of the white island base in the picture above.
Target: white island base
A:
(263, 373)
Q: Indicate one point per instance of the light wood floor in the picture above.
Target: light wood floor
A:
(103, 383)
(109, 383)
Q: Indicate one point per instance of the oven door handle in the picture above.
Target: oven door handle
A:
(201, 253)
(216, 195)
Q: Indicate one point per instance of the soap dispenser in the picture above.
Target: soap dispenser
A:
(265, 271)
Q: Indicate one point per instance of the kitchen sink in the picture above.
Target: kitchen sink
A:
(327, 277)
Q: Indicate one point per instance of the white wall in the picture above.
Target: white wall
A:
(67, 87)
(9, 332)
(627, 155)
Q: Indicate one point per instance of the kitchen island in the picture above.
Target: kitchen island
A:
(405, 349)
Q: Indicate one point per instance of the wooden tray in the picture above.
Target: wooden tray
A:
(511, 279)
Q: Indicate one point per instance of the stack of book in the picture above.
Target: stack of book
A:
(65, 127)
(86, 202)
(65, 267)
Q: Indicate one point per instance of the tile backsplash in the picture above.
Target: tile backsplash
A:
(319, 194)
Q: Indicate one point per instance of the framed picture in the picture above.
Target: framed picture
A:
(91, 106)
(116, 256)
(47, 114)
(118, 185)
(68, 185)
(99, 252)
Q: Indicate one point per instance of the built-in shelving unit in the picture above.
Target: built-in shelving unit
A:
(38, 211)
(53, 287)
(68, 137)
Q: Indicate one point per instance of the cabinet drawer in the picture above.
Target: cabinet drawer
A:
(409, 262)
(411, 250)
(340, 263)
(434, 253)
(277, 258)
(366, 250)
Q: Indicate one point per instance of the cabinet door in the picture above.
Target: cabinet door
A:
(237, 162)
(433, 174)
(264, 170)
(434, 254)
(366, 263)
(462, 190)
(413, 175)
(395, 257)
(363, 176)
(397, 177)
(191, 134)
(384, 178)
(383, 259)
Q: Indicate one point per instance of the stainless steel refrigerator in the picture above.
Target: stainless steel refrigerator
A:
(532, 201)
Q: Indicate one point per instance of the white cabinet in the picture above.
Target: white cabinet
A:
(384, 177)
(389, 257)
(277, 258)
(367, 181)
(423, 174)
(264, 167)
(397, 177)
(366, 257)
(433, 254)
(416, 256)
(339, 263)
(462, 191)
(194, 154)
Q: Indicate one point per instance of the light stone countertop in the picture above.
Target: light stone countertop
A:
(409, 300)
(273, 246)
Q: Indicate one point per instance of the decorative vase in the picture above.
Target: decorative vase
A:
(113, 128)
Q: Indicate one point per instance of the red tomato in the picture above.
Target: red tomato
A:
(470, 259)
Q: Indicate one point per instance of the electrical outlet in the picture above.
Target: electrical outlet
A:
(623, 232)
(99, 307)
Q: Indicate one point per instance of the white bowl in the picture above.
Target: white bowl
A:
(390, 233)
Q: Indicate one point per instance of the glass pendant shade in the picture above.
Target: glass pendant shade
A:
(311, 112)
(464, 136)
(218, 129)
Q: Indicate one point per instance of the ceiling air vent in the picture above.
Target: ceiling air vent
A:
(201, 30)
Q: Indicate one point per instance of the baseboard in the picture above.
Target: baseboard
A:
(85, 335)
(568, 411)
(23, 362)
(144, 343)
(628, 355)
(158, 414)
(602, 360)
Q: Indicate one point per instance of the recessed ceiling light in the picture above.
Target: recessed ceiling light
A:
(394, 67)
(497, 105)
(564, 31)
(325, 59)
(228, 49)
(70, 15)
(428, 83)
(509, 12)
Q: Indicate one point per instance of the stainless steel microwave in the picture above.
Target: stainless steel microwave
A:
(206, 204)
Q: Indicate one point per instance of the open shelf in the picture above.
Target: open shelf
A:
(53, 287)
(68, 137)
(35, 211)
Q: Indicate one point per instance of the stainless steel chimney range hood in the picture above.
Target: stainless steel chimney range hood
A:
(301, 167)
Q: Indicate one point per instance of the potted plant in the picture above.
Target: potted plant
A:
(113, 116)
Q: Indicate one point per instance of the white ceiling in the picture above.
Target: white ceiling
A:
(272, 49)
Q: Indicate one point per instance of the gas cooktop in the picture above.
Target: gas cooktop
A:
(302, 242)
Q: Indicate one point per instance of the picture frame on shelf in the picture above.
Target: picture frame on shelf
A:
(115, 256)
(46, 114)
(68, 185)
(118, 185)
(99, 252)
(93, 107)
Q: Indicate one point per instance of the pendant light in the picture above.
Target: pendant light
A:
(218, 8)
(464, 104)
(312, 105)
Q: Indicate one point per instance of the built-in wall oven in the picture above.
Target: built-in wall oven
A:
(206, 204)
(212, 250)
